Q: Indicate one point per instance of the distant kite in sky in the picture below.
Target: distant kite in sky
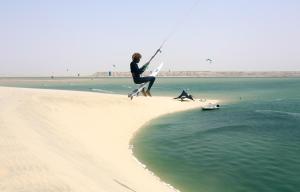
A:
(209, 60)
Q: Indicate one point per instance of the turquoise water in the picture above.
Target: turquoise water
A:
(251, 144)
(212, 88)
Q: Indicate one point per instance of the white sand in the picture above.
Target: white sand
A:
(75, 141)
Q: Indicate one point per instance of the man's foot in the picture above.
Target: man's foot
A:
(144, 92)
(148, 93)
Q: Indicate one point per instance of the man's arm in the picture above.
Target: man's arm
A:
(143, 68)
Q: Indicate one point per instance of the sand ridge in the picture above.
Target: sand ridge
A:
(54, 140)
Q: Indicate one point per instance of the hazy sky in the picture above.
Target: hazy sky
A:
(44, 37)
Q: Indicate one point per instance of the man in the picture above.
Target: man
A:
(136, 73)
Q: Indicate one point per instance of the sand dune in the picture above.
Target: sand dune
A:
(75, 141)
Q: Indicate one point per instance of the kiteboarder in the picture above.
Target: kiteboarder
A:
(136, 73)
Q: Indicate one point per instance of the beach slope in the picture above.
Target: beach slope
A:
(54, 140)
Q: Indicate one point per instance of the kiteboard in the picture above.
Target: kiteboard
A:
(143, 85)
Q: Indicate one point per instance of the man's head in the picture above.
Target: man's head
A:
(136, 57)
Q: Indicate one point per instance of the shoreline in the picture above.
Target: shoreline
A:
(167, 74)
(76, 141)
(209, 74)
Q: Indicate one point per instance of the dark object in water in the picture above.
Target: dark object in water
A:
(184, 95)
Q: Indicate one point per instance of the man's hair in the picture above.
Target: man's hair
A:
(136, 56)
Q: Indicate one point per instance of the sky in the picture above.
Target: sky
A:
(66, 37)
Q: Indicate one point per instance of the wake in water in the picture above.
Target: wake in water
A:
(101, 90)
(278, 113)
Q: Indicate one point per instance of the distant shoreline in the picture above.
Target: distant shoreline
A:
(174, 74)
(208, 74)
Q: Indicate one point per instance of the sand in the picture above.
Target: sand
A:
(54, 140)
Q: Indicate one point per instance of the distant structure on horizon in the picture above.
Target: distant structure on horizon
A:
(206, 74)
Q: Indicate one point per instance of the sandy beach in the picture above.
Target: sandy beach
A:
(75, 141)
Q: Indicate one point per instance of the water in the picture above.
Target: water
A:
(212, 88)
(251, 144)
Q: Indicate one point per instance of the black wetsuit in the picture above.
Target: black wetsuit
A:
(136, 74)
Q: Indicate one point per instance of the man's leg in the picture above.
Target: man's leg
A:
(149, 79)
(141, 80)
